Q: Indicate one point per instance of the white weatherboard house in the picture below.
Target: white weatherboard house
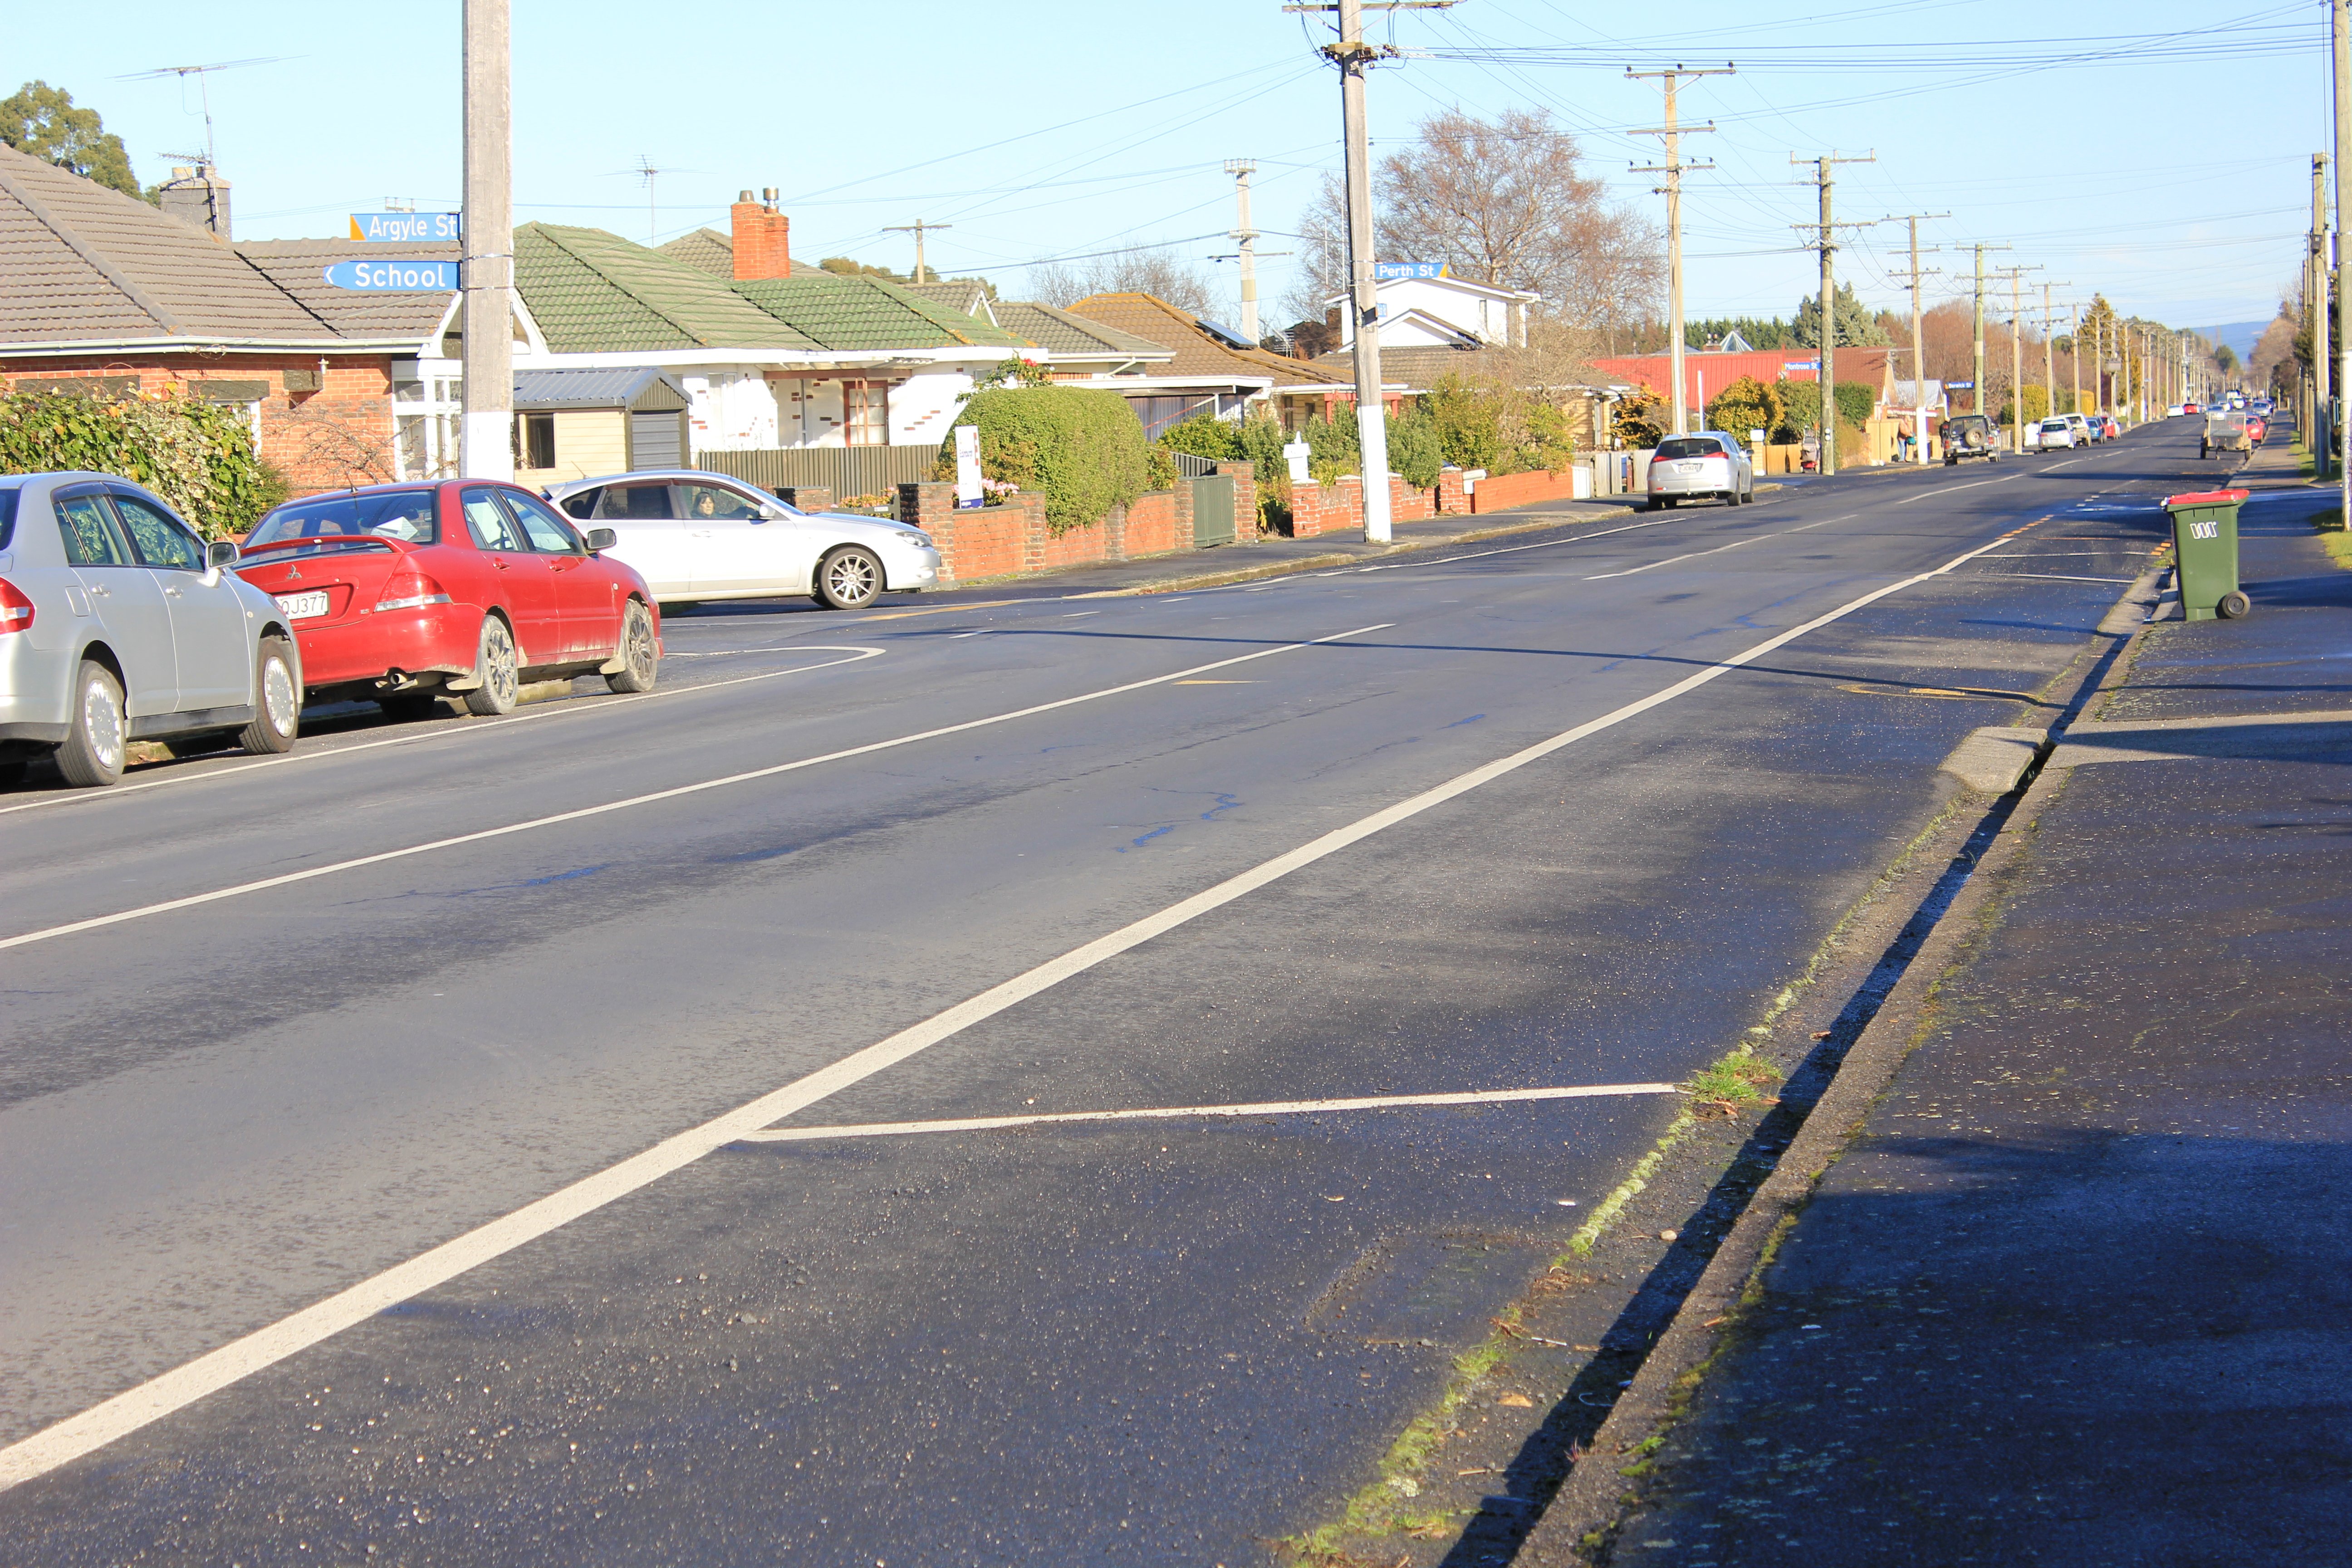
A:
(1421, 306)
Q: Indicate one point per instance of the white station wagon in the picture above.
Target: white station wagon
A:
(694, 536)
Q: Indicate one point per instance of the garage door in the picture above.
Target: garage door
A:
(655, 441)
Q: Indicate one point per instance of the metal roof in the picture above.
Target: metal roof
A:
(540, 389)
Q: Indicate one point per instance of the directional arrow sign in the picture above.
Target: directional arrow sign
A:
(405, 228)
(414, 277)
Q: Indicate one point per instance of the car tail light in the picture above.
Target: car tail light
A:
(411, 590)
(16, 610)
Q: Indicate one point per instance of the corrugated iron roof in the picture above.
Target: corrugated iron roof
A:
(619, 388)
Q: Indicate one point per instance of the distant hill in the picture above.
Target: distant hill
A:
(2242, 336)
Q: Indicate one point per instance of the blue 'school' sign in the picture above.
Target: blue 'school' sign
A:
(427, 276)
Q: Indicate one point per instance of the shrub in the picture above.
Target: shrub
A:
(1204, 435)
(1641, 420)
(1856, 400)
(1415, 449)
(199, 457)
(1746, 404)
(1083, 450)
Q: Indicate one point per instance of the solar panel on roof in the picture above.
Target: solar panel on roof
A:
(1226, 335)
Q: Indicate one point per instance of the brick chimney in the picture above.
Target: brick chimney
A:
(762, 238)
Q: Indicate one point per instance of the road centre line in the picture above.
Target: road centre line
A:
(1948, 489)
(167, 906)
(159, 1396)
(1693, 555)
(1179, 1112)
(419, 736)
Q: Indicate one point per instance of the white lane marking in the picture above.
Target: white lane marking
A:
(98, 921)
(2056, 577)
(957, 637)
(1172, 1112)
(1078, 615)
(1948, 489)
(450, 732)
(1693, 555)
(129, 1411)
(1504, 550)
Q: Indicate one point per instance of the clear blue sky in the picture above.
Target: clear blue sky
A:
(2175, 179)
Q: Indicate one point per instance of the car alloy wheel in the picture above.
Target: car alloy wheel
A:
(849, 578)
(641, 660)
(493, 667)
(281, 717)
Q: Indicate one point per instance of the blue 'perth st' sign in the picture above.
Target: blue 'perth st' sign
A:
(430, 276)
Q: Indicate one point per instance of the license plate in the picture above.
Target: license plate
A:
(303, 606)
(1686, 468)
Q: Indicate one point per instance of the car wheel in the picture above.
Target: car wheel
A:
(849, 579)
(637, 648)
(499, 684)
(97, 739)
(277, 716)
(408, 707)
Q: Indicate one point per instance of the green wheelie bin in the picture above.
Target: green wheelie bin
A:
(2205, 553)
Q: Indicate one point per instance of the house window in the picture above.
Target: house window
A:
(538, 440)
(866, 406)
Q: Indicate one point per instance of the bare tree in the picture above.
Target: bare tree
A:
(1158, 272)
(1503, 201)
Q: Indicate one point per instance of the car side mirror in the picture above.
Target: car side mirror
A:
(597, 539)
(220, 554)
(773, 514)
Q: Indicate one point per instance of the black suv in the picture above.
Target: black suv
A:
(1969, 436)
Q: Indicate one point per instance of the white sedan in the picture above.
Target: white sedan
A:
(694, 536)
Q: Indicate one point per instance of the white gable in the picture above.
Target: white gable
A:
(1449, 308)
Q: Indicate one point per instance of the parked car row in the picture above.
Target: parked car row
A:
(120, 623)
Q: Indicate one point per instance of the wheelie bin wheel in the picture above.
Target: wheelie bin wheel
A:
(2231, 606)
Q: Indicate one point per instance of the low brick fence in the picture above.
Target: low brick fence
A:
(1337, 508)
(1496, 493)
(977, 542)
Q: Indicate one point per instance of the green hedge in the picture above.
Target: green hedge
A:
(199, 457)
(1083, 451)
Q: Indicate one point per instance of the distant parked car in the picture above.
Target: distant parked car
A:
(2054, 432)
(2257, 427)
(2108, 429)
(2084, 432)
(1969, 436)
(696, 536)
(2187, 408)
(403, 594)
(119, 623)
(1705, 464)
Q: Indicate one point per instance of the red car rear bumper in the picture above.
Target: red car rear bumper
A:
(369, 647)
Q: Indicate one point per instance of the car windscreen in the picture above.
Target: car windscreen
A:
(409, 515)
(1687, 448)
(7, 516)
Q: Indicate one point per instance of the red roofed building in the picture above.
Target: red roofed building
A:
(1704, 376)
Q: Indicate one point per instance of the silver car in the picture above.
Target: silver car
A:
(694, 536)
(119, 623)
(1704, 464)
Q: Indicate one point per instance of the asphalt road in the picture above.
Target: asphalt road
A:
(275, 1029)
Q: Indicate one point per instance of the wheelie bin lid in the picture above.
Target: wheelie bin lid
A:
(2205, 497)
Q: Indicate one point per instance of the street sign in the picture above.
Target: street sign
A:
(1812, 365)
(1960, 386)
(406, 229)
(1382, 271)
(389, 277)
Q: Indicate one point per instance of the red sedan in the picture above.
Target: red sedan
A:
(400, 594)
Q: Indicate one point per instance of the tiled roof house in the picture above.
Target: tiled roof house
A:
(1209, 370)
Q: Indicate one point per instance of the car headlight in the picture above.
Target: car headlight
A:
(916, 536)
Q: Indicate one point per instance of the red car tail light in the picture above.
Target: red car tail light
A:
(16, 610)
(411, 590)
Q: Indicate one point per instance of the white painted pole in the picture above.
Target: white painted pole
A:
(486, 448)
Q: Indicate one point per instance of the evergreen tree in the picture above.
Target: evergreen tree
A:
(42, 121)
(1857, 326)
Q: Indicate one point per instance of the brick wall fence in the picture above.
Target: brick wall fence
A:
(979, 542)
(1318, 509)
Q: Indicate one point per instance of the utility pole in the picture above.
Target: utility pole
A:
(2075, 354)
(1674, 131)
(2016, 276)
(1978, 406)
(2340, 29)
(2315, 292)
(1241, 169)
(2050, 344)
(917, 228)
(1918, 340)
(1827, 244)
(486, 429)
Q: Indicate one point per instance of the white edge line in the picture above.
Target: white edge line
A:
(2056, 577)
(1179, 1112)
(191, 900)
(496, 726)
(149, 1402)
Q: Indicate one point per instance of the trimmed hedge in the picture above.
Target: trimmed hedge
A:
(1083, 450)
(199, 457)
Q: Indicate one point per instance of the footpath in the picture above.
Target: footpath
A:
(2078, 1288)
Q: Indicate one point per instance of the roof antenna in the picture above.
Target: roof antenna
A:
(202, 91)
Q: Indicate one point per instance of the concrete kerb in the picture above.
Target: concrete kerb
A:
(1593, 1498)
